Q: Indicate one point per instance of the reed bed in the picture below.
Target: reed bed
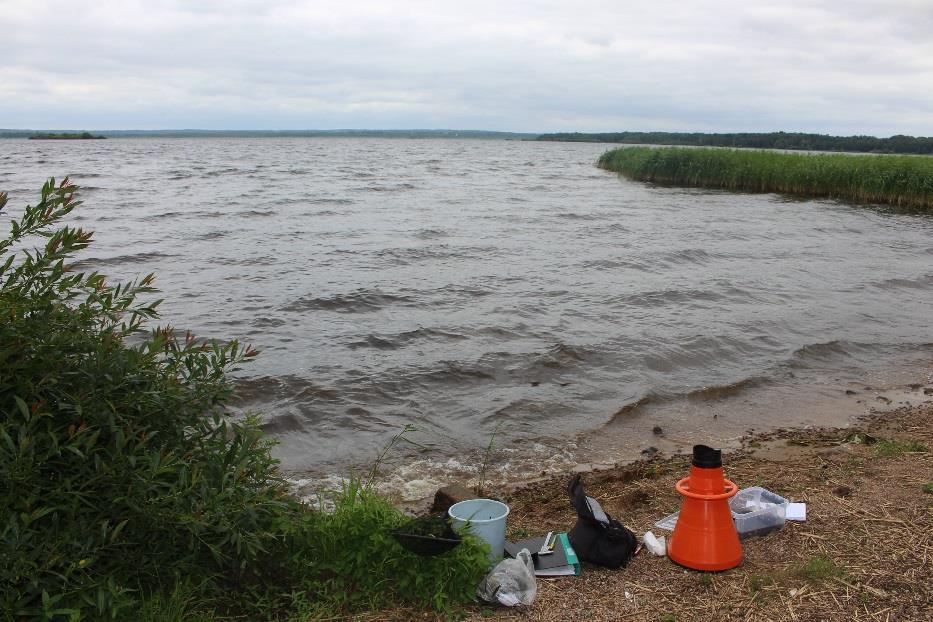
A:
(897, 180)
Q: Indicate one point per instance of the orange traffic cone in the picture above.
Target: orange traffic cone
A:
(705, 537)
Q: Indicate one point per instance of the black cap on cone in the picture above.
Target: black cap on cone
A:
(706, 457)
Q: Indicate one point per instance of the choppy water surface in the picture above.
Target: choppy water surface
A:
(467, 285)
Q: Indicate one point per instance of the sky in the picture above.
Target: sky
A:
(828, 66)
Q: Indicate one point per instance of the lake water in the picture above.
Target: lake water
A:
(474, 288)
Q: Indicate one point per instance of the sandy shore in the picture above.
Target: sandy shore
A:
(863, 554)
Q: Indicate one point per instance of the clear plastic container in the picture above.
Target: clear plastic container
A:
(757, 511)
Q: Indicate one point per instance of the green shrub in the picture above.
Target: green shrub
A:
(117, 468)
(125, 491)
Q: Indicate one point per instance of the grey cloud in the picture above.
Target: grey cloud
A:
(835, 67)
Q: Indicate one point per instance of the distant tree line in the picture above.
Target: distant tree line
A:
(66, 136)
(772, 140)
(413, 133)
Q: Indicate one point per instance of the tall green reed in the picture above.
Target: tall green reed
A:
(897, 180)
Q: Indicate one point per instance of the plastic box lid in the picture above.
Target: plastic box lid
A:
(757, 511)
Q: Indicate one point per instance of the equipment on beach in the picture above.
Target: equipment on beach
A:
(705, 537)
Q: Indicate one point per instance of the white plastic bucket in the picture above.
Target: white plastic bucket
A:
(485, 518)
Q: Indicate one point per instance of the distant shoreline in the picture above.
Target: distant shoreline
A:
(194, 133)
(793, 141)
(67, 136)
(784, 141)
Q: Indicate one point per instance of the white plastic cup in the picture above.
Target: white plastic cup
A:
(485, 518)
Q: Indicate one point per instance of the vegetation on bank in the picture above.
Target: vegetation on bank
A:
(127, 493)
(772, 140)
(67, 136)
(896, 180)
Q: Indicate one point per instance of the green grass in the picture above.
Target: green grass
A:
(897, 180)
(891, 448)
(758, 582)
(820, 568)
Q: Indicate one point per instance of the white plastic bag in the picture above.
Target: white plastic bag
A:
(511, 582)
(657, 546)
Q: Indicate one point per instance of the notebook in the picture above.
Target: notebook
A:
(562, 562)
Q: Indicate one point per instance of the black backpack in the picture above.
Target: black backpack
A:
(597, 537)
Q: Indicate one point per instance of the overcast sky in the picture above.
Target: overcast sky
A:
(828, 66)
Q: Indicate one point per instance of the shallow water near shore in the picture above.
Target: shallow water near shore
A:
(478, 287)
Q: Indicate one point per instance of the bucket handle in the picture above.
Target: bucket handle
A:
(683, 487)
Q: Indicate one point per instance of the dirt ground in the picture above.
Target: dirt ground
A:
(864, 552)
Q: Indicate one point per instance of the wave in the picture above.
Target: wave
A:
(374, 341)
(245, 261)
(229, 170)
(328, 201)
(301, 200)
(429, 334)
(400, 340)
(214, 235)
(616, 264)
(520, 331)
(827, 350)
(577, 216)
(711, 393)
(431, 234)
(405, 256)
(921, 282)
(164, 215)
(456, 373)
(633, 407)
(285, 388)
(402, 187)
(496, 368)
(661, 298)
(360, 301)
(120, 260)
(282, 423)
(718, 392)
(267, 322)
(453, 294)
(687, 256)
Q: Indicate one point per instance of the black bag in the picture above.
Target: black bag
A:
(597, 537)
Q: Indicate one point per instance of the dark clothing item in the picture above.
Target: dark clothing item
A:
(597, 537)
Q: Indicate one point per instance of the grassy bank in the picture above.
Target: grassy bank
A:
(896, 180)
